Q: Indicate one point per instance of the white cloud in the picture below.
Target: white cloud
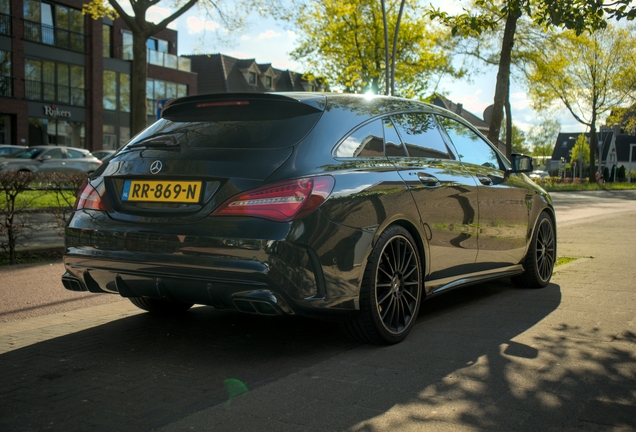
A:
(245, 38)
(269, 34)
(156, 14)
(195, 25)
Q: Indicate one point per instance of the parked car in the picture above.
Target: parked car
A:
(41, 159)
(324, 205)
(6, 149)
(538, 174)
(103, 154)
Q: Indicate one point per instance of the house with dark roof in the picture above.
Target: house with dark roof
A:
(613, 146)
(220, 73)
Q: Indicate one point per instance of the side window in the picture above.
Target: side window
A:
(74, 154)
(421, 136)
(392, 143)
(56, 154)
(470, 147)
(366, 141)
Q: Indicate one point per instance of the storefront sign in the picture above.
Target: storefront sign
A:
(53, 111)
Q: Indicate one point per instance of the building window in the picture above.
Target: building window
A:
(124, 92)
(127, 48)
(44, 131)
(5, 17)
(109, 137)
(268, 81)
(252, 78)
(56, 25)
(55, 82)
(158, 90)
(107, 40)
(110, 90)
(5, 129)
(116, 91)
(6, 80)
(111, 140)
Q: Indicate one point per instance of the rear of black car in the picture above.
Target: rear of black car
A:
(186, 212)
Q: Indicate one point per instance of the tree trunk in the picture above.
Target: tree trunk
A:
(386, 49)
(395, 42)
(508, 124)
(593, 142)
(503, 75)
(138, 83)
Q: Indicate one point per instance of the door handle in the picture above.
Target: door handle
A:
(487, 181)
(428, 180)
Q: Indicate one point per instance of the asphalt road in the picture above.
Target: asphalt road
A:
(488, 357)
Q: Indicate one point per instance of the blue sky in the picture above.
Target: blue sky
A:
(268, 41)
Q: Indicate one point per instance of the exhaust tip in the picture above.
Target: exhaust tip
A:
(73, 284)
(260, 302)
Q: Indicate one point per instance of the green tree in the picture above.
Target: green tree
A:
(589, 74)
(581, 153)
(344, 40)
(543, 137)
(142, 29)
(519, 144)
(503, 16)
(625, 117)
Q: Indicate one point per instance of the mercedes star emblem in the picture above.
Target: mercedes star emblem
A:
(156, 167)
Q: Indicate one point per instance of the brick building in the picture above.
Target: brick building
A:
(65, 78)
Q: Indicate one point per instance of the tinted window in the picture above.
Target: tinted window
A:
(234, 124)
(74, 154)
(31, 153)
(392, 142)
(421, 136)
(55, 154)
(470, 147)
(366, 141)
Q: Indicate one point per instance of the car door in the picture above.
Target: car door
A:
(78, 162)
(503, 199)
(54, 160)
(444, 192)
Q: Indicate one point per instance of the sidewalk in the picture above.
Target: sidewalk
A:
(487, 357)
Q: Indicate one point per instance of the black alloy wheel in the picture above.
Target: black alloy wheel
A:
(539, 263)
(391, 292)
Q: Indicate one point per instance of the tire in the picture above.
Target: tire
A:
(160, 306)
(539, 262)
(391, 291)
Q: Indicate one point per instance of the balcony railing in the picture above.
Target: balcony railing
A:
(6, 86)
(158, 58)
(5, 24)
(49, 92)
(61, 38)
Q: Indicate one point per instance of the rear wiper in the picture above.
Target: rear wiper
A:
(157, 141)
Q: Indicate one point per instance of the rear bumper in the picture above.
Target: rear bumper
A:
(237, 271)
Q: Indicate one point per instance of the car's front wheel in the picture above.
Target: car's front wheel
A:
(159, 306)
(391, 290)
(539, 262)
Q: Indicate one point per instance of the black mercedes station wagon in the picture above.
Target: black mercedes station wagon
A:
(332, 206)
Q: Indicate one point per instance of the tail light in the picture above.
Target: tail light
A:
(280, 202)
(88, 199)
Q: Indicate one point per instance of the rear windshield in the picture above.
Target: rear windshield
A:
(243, 124)
(31, 153)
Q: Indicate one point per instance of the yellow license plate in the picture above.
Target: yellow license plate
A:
(161, 191)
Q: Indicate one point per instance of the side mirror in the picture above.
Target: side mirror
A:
(45, 158)
(521, 163)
